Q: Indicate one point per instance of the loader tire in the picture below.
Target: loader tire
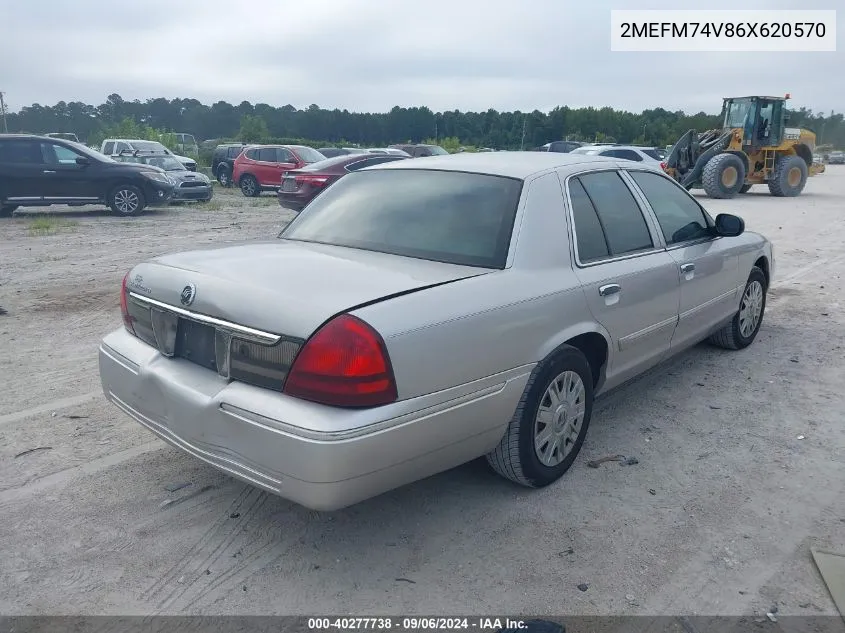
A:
(788, 177)
(723, 176)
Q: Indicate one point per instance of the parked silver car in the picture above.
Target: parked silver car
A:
(649, 155)
(420, 314)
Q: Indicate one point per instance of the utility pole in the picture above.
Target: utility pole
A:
(522, 142)
(3, 113)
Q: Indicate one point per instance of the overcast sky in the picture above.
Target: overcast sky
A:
(369, 55)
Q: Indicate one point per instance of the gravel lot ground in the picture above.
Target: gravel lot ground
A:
(741, 462)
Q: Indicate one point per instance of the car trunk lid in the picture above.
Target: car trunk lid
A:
(284, 287)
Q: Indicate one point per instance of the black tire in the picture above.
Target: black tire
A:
(745, 188)
(224, 175)
(126, 200)
(723, 176)
(515, 457)
(731, 336)
(249, 186)
(788, 177)
(7, 210)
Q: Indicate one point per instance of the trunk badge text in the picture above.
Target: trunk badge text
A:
(188, 295)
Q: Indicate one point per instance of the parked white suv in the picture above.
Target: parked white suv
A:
(116, 146)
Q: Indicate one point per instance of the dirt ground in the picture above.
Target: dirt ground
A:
(741, 462)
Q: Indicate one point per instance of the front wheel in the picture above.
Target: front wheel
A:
(743, 328)
(550, 423)
(249, 186)
(723, 176)
(126, 200)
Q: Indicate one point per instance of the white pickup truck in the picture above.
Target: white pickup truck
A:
(114, 147)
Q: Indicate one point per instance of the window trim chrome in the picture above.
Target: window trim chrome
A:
(241, 331)
(658, 245)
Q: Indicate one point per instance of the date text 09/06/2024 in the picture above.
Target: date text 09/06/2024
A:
(388, 623)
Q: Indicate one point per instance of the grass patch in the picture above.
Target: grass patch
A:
(211, 205)
(48, 225)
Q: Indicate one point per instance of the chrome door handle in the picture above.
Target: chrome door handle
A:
(48, 171)
(609, 289)
(687, 268)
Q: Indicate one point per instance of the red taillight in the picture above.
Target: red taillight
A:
(311, 179)
(124, 306)
(662, 165)
(345, 364)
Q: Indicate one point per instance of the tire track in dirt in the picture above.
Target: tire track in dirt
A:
(173, 572)
(224, 546)
(215, 546)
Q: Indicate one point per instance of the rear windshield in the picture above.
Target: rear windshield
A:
(444, 216)
(308, 154)
(653, 153)
(330, 162)
(436, 150)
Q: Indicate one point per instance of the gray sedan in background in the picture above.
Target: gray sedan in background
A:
(420, 314)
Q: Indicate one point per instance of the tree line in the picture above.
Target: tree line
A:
(319, 126)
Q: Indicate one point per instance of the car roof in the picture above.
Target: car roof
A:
(131, 140)
(615, 146)
(511, 164)
(40, 137)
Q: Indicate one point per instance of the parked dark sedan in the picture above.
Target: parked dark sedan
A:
(299, 186)
(331, 152)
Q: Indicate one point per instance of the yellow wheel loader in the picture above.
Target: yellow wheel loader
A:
(754, 147)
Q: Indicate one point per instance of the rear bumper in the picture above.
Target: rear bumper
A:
(291, 201)
(319, 457)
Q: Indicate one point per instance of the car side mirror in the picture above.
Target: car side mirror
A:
(728, 225)
(83, 161)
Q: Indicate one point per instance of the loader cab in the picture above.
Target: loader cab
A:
(761, 119)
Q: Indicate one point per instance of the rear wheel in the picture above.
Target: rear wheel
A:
(249, 186)
(550, 423)
(224, 176)
(788, 177)
(126, 200)
(7, 209)
(723, 176)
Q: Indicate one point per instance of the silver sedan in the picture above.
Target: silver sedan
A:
(418, 315)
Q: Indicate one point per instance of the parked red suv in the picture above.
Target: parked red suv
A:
(260, 167)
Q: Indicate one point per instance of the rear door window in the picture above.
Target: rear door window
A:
(23, 152)
(267, 154)
(108, 149)
(624, 224)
